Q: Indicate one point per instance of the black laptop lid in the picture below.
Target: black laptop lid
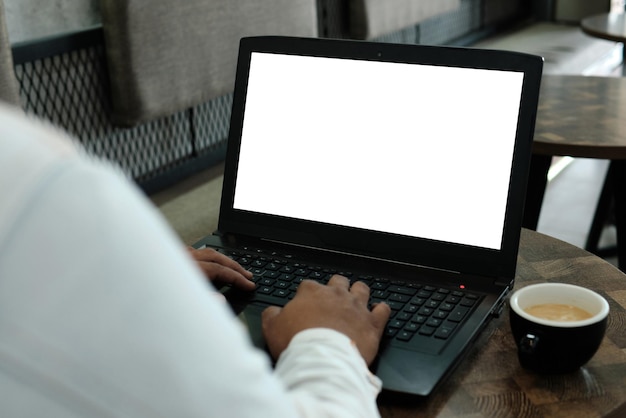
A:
(409, 153)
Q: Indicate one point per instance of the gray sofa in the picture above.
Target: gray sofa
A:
(8, 83)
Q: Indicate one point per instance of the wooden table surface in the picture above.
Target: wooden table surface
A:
(581, 116)
(491, 383)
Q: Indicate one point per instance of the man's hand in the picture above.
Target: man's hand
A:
(220, 268)
(337, 306)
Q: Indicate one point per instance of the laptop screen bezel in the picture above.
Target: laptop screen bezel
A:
(418, 251)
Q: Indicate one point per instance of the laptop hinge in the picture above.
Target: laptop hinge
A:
(363, 256)
(503, 282)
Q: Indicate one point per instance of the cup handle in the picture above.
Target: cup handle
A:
(528, 343)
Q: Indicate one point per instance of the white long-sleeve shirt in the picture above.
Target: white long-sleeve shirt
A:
(104, 314)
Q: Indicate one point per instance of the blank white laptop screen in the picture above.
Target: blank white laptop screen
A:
(416, 150)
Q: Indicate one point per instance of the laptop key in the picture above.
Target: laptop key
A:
(379, 285)
(272, 266)
(432, 303)
(244, 261)
(398, 297)
(257, 271)
(394, 305)
(458, 314)
(266, 281)
(287, 269)
(426, 311)
(271, 274)
(395, 323)
(404, 335)
(281, 293)
(453, 299)
(282, 285)
(440, 314)
(427, 330)
(404, 316)
(434, 322)
(400, 289)
(410, 308)
(258, 263)
(391, 332)
(438, 297)
(445, 306)
(265, 289)
(443, 333)
(419, 319)
(412, 327)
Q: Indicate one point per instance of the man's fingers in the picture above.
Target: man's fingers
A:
(243, 283)
(276, 336)
(380, 314)
(219, 267)
(209, 255)
(218, 272)
(339, 281)
(361, 291)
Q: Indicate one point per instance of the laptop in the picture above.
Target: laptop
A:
(404, 166)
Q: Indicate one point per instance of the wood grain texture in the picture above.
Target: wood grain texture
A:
(491, 383)
(581, 116)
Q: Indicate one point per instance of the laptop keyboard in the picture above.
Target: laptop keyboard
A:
(423, 317)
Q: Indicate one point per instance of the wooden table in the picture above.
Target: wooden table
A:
(582, 117)
(609, 26)
(491, 383)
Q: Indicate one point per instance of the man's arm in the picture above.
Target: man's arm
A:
(104, 311)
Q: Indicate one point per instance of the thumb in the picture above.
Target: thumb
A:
(269, 313)
(270, 333)
(381, 313)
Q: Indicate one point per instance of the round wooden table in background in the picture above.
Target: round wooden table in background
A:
(583, 117)
(609, 26)
(490, 382)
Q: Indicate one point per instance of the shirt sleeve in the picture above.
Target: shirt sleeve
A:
(323, 370)
(103, 313)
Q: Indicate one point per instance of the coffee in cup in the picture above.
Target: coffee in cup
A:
(557, 327)
(558, 312)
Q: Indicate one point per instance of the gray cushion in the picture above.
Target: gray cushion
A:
(168, 55)
(9, 91)
(373, 18)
